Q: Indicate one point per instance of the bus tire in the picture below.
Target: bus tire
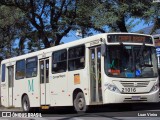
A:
(80, 103)
(26, 104)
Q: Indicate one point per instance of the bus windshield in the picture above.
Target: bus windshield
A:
(131, 61)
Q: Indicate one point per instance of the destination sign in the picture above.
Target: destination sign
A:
(129, 38)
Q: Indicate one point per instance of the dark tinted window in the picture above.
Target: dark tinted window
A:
(31, 67)
(76, 58)
(20, 69)
(3, 72)
(59, 61)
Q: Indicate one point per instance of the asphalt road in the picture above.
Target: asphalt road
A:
(107, 112)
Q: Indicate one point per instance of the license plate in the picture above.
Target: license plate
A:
(128, 90)
(136, 97)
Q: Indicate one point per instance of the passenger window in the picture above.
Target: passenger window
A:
(76, 58)
(20, 69)
(59, 61)
(31, 67)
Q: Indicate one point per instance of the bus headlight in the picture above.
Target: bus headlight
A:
(155, 87)
(111, 87)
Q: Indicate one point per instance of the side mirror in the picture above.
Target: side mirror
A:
(103, 49)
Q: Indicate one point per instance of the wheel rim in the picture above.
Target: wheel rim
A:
(81, 103)
(25, 105)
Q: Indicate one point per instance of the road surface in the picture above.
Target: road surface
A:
(107, 112)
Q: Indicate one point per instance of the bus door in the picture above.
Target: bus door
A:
(10, 85)
(44, 81)
(95, 74)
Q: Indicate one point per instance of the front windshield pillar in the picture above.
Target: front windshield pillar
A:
(134, 66)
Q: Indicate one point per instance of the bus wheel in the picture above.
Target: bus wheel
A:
(26, 104)
(80, 103)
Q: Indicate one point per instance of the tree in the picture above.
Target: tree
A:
(85, 17)
(119, 15)
(8, 29)
(52, 19)
(152, 15)
(44, 23)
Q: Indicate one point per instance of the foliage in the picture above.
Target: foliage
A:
(38, 24)
(9, 29)
(152, 15)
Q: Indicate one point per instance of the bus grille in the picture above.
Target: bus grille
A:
(135, 84)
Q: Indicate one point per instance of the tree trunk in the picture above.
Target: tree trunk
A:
(121, 24)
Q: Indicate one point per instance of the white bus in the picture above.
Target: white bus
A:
(101, 69)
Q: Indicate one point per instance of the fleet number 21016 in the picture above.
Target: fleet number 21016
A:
(128, 90)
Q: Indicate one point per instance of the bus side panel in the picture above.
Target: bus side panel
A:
(58, 88)
(19, 89)
(33, 89)
(78, 79)
(4, 94)
(30, 87)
